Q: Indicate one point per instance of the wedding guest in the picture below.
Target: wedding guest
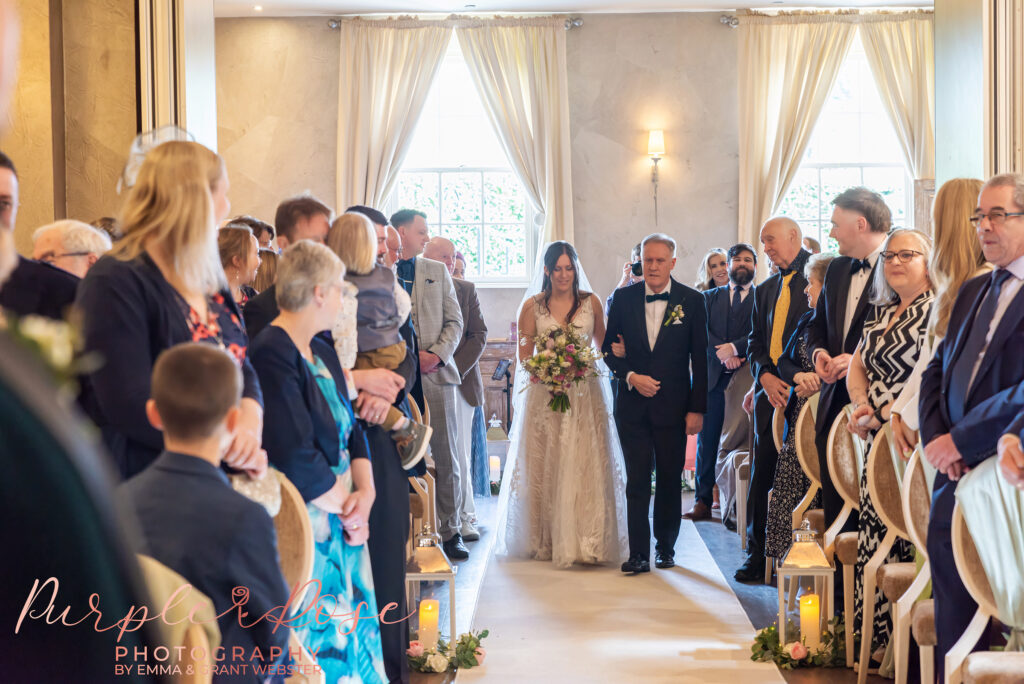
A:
(713, 271)
(162, 284)
(312, 436)
(263, 231)
(728, 311)
(1011, 457)
(795, 369)
(956, 258)
(394, 245)
(470, 394)
(298, 218)
(459, 270)
(108, 224)
(860, 222)
(972, 390)
(240, 256)
(190, 518)
(266, 273)
(812, 245)
(778, 306)
(70, 245)
(629, 276)
(32, 288)
(894, 330)
(437, 320)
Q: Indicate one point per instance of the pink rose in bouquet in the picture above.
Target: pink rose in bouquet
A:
(481, 654)
(415, 649)
(796, 650)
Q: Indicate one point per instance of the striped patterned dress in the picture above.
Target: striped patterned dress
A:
(889, 357)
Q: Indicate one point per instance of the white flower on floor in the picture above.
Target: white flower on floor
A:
(437, 662)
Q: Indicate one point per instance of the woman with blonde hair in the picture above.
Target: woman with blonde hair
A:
(713, 271)
(266, 274)
(956, 258)
(160, 285)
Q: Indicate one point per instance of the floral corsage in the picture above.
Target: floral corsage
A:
(675, 316)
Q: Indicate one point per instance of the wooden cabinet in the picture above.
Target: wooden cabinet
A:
(495, 398)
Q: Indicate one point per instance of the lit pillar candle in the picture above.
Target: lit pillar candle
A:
(495, 468)
(810, 625)
(429, 609)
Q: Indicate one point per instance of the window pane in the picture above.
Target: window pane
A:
(460, 197)
(505, 247)
(466, 239)
(504, 197)
(419, 191)
(890, 183)
(801, 201)
(834, 181)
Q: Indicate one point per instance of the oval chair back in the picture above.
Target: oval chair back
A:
(972, 572)
(806, 451)
(195, 670)
(845, 461)
(917, 501)
(916, 504)
(779, 428)
(884, 483)
(294, 536)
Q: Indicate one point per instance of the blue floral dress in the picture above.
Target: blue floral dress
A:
(344, 572)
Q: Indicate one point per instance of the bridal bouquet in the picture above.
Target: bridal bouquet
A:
(563, 359)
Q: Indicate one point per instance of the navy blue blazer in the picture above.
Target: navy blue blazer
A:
(762, 317)
(996, 398)
(678, 350)
(193, 522)
(35, 287)
(299, 432)
(717, 302)
(130, 314)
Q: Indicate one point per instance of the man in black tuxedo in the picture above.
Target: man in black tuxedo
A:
(663, 326)
(860, 222)
(779, 303)
(728, 311)
(973, 389)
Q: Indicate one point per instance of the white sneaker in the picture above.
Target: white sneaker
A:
(469, 532)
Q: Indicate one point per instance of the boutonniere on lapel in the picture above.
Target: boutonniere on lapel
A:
(675, 316)
(428, 281)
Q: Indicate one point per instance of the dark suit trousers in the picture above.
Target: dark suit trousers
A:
(663, 449)
(710, 435)
(389, 529)
(762, 474)
(954, 607)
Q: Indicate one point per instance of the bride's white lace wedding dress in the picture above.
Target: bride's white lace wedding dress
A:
(567, 487)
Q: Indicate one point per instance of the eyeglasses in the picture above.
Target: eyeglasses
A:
(904, 255)
(51, 258)
(995, 217)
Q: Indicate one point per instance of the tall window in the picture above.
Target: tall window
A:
(853, 144)
(457, 173)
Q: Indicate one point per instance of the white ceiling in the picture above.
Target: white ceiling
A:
(245, 8)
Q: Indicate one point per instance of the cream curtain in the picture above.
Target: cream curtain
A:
(901, 51)
(787, 66)
(518, 66)
(387, 67)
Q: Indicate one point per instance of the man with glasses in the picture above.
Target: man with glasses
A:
(973, 389)
(860, 222)
(70, 245)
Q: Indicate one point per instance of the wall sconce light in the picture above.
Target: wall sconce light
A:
(655, 149)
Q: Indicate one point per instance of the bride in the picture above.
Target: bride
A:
(566, 489)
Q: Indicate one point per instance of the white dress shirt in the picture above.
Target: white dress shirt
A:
(654, 316)
(1010, 289)
(858, 281)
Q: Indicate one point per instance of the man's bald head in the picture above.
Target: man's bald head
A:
(393, 242)
(441, 249)
(781, 237)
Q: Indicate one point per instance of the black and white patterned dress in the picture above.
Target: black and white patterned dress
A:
(889, 357)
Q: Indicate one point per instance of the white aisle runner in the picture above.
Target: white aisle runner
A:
(597, 625)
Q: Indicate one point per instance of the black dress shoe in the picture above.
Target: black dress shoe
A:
(636, 564)
(455, 549)
(664, 561)
(751, 571)
(730, 524)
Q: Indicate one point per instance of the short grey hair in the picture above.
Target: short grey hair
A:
(660, 239)
(1009, 180)
(302, 268)
(817, 266)
(881, 293)
(76, 236)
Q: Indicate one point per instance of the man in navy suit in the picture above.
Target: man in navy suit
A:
(973, 389)
(191, 519)
(728, 311)
(663, 326)
(779, 303)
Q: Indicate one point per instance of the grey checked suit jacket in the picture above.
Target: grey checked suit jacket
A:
(437, 317)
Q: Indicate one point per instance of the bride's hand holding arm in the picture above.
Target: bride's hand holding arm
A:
(599, 323)
(527, 329)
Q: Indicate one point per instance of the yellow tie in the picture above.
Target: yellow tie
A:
(779, 322)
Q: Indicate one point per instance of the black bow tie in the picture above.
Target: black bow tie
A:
(859, 264)
(655, 297)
